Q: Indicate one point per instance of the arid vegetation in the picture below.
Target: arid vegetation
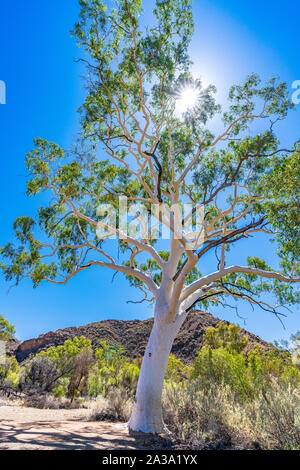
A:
(230, 396)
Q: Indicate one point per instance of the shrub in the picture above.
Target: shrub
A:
(219, 366)
(229, 397)
(176, 370)
(7, 331)
(214, 418)
(247, 374)
(276, 417)
(9, 375)
(204, 418)
(112, 370)
(49, 401)
(247, 399)
(39, 375)
(80, 373)
(73, 360)
(116, 406)
(225, 336)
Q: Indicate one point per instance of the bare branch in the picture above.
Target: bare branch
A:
(206, 280)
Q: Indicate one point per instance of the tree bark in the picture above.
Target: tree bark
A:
(147, 411)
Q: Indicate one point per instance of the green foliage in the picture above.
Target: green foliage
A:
(73, 361)
(223, 360)
(135, 73)
(9, 373)
(7, 331)
(79, 371)
(221, 366)
(176, 370)
(243, 178)
(67, 351)
(60, 390)
(282, 207)
(236, 397)
(112, 369)
(225, 336)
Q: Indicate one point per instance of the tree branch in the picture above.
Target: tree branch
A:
(206, 280)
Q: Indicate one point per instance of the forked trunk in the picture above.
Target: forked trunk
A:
(147, 412)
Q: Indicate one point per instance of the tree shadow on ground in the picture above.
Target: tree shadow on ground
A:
(96, 436)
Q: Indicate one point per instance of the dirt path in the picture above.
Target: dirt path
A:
(30, 428)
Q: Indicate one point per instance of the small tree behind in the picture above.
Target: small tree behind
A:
(7, 331)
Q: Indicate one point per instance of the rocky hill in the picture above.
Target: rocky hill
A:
(132, 335)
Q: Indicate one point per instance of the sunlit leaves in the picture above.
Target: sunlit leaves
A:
(7, 330)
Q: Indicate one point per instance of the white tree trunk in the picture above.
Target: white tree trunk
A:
(147, 412)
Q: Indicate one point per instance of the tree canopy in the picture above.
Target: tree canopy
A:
(133, 143)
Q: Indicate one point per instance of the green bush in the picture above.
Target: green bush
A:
(176, 371)
(73, 361)
(38, 376)
(7, 331)
(219, 366)
(223, 360)
(112, 369)
(9, 374)
(225, 336)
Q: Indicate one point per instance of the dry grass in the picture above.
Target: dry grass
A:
(276, 417)
(116, 406)
(214, 418)
(48, 401)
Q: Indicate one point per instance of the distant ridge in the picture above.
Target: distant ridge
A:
(132, 335)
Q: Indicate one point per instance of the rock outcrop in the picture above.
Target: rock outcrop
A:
(131, 335)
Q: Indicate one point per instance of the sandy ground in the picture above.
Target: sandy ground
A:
(24, 428)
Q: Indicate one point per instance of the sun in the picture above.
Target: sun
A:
(187, 100)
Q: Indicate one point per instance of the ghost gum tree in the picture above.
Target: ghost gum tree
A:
(133, 143)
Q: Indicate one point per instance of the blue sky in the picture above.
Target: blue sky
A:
(44, 91)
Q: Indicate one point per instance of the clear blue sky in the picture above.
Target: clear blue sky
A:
(44, 90)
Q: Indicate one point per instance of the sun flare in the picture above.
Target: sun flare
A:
(187, 99)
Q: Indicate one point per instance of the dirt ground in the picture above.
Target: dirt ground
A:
(24, 428)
